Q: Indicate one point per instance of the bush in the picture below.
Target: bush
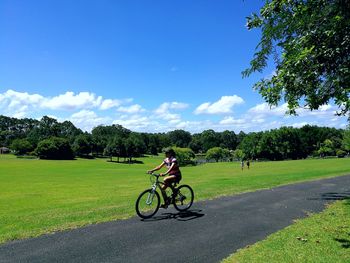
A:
(341, 153)
(184, 156)
(21, 146)
(217, 153)
(55, 149)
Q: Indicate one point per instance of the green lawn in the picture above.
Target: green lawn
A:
(38, 196)
(321, 238)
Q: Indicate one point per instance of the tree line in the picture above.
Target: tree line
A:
(50, 139)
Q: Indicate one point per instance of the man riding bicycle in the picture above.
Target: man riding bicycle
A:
(173, 172)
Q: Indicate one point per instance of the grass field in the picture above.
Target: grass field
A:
(39, 196)
(321, 238)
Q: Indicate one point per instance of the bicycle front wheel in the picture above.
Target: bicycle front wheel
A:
(184, 198)
(147, 203)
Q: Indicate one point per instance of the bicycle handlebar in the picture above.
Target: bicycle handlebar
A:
(156, 175)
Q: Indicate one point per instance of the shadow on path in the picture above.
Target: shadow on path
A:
(180, 216)
(333, 196)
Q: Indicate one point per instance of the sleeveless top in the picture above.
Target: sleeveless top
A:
(176, 169)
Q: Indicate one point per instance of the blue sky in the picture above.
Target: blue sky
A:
(147, 65)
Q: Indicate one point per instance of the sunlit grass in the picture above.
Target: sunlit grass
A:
(39, 196)
(324, 237)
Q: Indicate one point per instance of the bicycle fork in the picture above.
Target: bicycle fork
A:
(151, 195)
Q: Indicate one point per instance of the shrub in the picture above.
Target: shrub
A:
(184, 156)
(217, 153)
(341, 153)
(21, 146)
(54, 148)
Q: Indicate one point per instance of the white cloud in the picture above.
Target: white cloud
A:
(21, 104)
(300, 124)
(89, 111)
(224, 105)
(87, 120)
(71, 101)
(138, 123)
(17, 104)
(131, 109)
(232, 121)
(166, 106)
(108, 103)
(264, 109)
(163, 111)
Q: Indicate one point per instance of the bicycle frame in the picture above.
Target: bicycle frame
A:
(156, 184)
(151, 197)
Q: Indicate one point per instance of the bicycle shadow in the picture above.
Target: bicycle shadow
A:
(179, 216)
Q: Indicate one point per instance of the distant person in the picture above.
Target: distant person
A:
(242, 164)
(173, 172)
(248, 164)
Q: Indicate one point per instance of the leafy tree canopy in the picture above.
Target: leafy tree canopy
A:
(310, 43)
(54, 148)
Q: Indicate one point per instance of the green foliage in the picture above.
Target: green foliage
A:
(180, 138)
(310, 44)
(217, 153)
(21, 146)
(55, 149)
(278, 144)
(239, 154)
(209, 139)
(134, 146)
(228, 140)
(101, 136)
(116, 147)
(346, 140)
(184, 156)
(326, 148)
(250, 146)
(340, 153)
(82, 145)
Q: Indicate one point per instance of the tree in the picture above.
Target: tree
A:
(228, 140)
(238, 154)
(326, 148)
(310, 43)
(21, 146)
(195, 143)
(180, 138)
(134, 146)
(82, 145)
(209, 139)
(54, 148)
(184, 156)
(102, 135)
(249, 145)
(217, 153)
(115, 147)
(346, 140)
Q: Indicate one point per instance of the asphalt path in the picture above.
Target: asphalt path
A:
(209, 232)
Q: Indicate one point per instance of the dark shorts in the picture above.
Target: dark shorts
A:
(177, 179)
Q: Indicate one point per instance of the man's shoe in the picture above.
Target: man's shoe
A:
(165, 206)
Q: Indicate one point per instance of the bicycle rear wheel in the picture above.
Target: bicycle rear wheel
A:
(147, 204)
(184, 198)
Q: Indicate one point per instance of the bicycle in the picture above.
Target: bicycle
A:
(148, 202)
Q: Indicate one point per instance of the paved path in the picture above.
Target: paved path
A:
(211, 231)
